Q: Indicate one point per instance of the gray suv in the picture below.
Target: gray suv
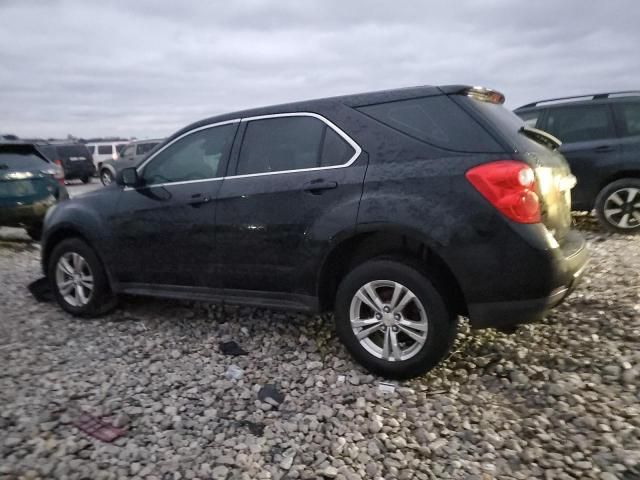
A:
(600, 137)
(130, 156)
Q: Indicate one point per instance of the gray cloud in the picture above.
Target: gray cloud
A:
(147, 68)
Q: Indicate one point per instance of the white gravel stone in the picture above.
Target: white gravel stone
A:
(559, 399)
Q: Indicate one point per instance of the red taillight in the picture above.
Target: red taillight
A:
(510, 186)
(60, 172)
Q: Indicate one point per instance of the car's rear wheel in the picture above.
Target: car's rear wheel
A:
(78, 279)
(86, 179)
(618, 206)
(392, 318)
(106, 177)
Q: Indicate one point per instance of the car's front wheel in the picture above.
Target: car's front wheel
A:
(78, 279)
(392, 318)
(106, 177)
(618, 206)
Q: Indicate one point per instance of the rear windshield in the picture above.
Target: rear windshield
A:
(67, 151)
(505, 122)
(436, 120)
(15, 162)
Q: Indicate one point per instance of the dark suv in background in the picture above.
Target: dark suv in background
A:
(600, 137)
(398, 210)
(74, 158)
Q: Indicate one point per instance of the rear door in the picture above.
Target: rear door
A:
(628, 122)
(589, 144)
(164, 230)
(295, 181)
(76, 160)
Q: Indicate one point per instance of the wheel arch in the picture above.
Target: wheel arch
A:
(63, 232)
(385, 240)
(627, 173)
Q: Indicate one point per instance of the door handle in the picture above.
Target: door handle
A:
(199, 199)
(315, 187)
(604, 148)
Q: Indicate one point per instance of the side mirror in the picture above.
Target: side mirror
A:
(128, 177)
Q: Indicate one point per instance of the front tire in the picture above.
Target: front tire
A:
(78, 279)
(618, 206)
(392, 318)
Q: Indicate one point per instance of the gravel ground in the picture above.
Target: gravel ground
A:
(557, 400)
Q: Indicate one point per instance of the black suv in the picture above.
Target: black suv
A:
(398, 210)
(74, 158)
(600, 137)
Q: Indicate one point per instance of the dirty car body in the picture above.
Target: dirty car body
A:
(402, 191)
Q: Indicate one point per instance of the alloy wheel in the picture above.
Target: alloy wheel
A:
(74, 279)
(106, 177)
(622, 208)
(388, 320)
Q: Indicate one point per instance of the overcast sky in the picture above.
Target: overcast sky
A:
(146, 68)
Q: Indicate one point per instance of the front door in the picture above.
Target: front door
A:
(294, 183)
(165, 229)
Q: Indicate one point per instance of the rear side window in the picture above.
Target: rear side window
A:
(92, 149)
(48, 151)
(435, 120)
(530, 119)
(143, 148)
(630, 114)
(15, 162)
(104, 149)
(76, 151)
(580, 123)
(291, 143)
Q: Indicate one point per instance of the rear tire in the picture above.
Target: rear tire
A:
(397, 341)
(78, 279)
(86, 179)
(106, 177)
(618, 206)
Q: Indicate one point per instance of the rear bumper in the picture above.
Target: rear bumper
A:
(569, 266)
(78, 170)
(26, 215)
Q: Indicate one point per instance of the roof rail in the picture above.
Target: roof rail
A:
(591, 96)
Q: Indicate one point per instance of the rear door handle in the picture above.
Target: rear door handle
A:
(604, 148)
(198, 199)
(315, 187)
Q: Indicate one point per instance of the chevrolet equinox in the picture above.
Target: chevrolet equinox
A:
(399, 210)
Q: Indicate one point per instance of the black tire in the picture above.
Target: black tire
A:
(86, 179)
(35, 232)
(101, 300)
(441, 320)
(604, 205)
(106, 177)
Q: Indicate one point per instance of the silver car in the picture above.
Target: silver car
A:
(130, 156)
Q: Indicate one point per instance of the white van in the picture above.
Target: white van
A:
(102, 151)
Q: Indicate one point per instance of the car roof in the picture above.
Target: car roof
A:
(353, 100)
(589, 99)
